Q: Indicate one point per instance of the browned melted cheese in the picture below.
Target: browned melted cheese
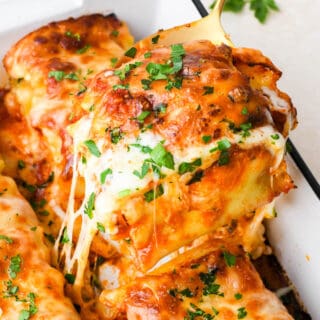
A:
(224, 193)
(39, 106)
(22, 245)
(213, 282)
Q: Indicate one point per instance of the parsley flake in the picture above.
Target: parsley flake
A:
(242, 313)
(101, 227)
(124, 193)
(15, 266)
(70, 278)
(131, 53)
(162, 157)
(207, 90)
(155, 39)
(92, 147)
(189, 166)
(206, 139)
(238, 296)
(21, 164)
(229, 259)
(143, 115)
(89, 207)
(6, 239)
(104, 174)
(84, 49)
(154, 193)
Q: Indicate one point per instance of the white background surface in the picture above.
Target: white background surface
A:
(291, 39)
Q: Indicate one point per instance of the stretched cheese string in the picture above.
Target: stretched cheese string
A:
(75, 258)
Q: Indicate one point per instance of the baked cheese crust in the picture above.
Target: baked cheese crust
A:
(211, 282)
(185, 154)
(29, 286)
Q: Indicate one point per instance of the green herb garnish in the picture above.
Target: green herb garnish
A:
(6, 239)
(131, 53)
(92, 147)
(242, 313)
(70, 278)
(101, 227)
(89, 207)
(229, 259)
(207, 90)
(261, 8)
(103, 175)
(189, 166)
(15, 266)
(154, 193)
(155, 39)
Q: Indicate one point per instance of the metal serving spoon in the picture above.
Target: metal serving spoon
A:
(207, 28)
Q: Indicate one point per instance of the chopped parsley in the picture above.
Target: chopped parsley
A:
(143, 149)
(229, 259)
(261, 8)
(50, 237)
(92, 147)
(84, 49)
(59, 75)
(143, 115)
(223, 145)
(196, 312)
(155, 39)
(185, 292)
(70, 278)
(101, 227)
(161, 107)
(122, 73)
(244, 111)
(124, 193)
(162, 157)
(146, 83)
(64, 237)
(21, 164)
(147, 54)
(242, 313)
(15, 266)
(89, 207)
(144, 170)
(206, 139)
(207, 90)
(73, 35)
(275, 136)
(189, 166)
(159, 71)
(238, 296)
(115, 135)
(11, 290)
(114, 33)
(113, 61)
(154, 193)
(196, 177)
(120, 86)
(6, 239)
(33, 309)
(104, 174)
(131, 53)
(210, 286)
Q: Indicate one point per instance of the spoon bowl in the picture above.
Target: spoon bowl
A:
(207, 28)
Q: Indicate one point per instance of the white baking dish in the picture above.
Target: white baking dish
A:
(294, 234)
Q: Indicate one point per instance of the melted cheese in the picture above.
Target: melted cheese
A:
(35, 275)
(201, 282)
(182, 214)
